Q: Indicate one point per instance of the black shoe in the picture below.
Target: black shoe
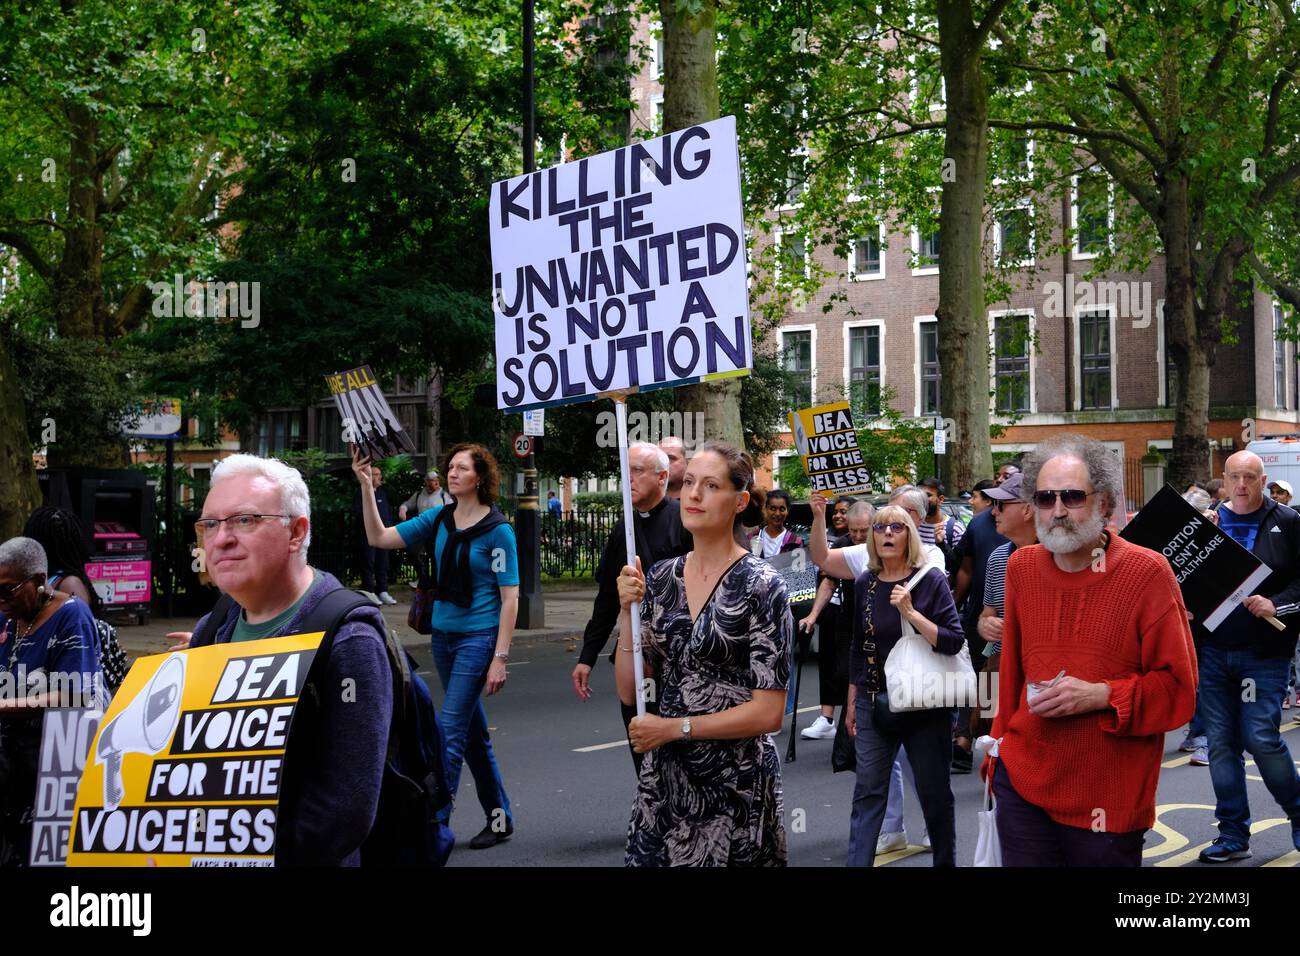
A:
(488, 837)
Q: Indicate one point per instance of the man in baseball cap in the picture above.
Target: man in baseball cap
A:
(1281, 492)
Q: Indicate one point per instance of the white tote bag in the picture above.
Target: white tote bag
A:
(917, 677)
(988, 847)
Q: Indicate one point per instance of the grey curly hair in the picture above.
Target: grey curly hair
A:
(1104, 468)
(24, 556)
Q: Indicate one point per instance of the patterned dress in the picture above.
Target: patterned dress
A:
(712, 802)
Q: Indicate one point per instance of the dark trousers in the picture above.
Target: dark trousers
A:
(968, 717)
(1030, 837)
(651, 707)
(374, 569)
(926, 735)
(831, 689)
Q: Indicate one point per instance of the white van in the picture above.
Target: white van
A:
(1281, 457)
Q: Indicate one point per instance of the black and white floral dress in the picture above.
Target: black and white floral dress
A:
(712, 802)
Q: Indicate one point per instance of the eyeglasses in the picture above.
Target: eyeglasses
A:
(1070, 497)
(7, 593)
(238, 524)
(1000, 503)
(895, 526)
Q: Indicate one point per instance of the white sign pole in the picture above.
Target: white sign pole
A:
(625, 477)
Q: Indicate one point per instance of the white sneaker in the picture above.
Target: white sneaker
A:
(925, 839)
(823, 728)
(888, 842)
(387, 598)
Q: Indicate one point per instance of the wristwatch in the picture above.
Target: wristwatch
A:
(686, 729)
(503, 656)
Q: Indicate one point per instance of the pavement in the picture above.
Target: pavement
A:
(566, 611)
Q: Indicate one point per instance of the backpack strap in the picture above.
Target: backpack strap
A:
(329, 613)
(216, 617)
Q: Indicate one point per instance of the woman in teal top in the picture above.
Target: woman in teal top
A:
(476, 597)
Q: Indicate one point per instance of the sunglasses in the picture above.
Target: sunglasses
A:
(1070, 497)
(7, 593)
(895, 526)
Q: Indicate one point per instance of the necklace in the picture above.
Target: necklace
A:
(708, 574)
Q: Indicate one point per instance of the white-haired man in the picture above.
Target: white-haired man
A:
(659, 534)
(1097, 666)
(255, 529)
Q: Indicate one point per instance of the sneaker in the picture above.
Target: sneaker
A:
(1224, 849)
(823, 728)
(1286, 701)
(1200, 757)
(488, 837)
(1190, 743)
(387, 598)
(925, 839)
(888, 842)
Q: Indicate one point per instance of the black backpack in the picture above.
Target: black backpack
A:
(406, 831)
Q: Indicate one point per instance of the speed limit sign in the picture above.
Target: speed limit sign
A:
(523, 445)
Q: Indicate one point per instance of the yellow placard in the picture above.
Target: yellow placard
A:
(827, 444)
(186, 767)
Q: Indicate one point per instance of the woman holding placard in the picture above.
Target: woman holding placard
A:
(716, 633)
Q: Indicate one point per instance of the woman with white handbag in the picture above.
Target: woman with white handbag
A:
(909, 703)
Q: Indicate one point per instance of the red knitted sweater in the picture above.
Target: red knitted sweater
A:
(1124, 625)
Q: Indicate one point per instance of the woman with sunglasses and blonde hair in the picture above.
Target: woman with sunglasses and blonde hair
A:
(897, 584)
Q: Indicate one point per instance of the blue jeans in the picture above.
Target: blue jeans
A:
(462, 661)
(926, 735)
(897, 802)
(1234, 724)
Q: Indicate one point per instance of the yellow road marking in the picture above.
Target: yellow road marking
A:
(893, 856)
(1173, 840)
(1190, 856)
(1286, 859)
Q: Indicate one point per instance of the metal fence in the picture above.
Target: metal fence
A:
(1133, 484)
(572, 544)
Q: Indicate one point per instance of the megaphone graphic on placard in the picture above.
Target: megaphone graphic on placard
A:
(144, 727)
(800, 436)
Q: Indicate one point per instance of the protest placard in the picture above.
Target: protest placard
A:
(799, 574)
(827, 444)
(66, 735)
(1214, 571)
(625, 270)
(186, 767)
(368, 421)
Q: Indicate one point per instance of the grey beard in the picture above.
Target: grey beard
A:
(1067, 537)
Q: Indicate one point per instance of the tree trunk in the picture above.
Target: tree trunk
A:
(19, 493)
(962, 314)
(1189, 459)
(78, 281)
(691, 97)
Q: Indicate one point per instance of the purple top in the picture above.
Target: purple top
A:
(931, 597)
(345, 763)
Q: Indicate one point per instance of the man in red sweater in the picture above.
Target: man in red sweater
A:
(1097, 665)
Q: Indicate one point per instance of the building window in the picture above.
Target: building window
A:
(930, 375)
(280, 431)
(656, 115)
(1011, 339)
(1094, 359)
(1279, 360)
(1011, 154)
(797, 358)
(796, 179)
(927, 249)
(1091, 214)
(1014, 239)
(792, 258)
(867, 259)
(1171, 367)
(864, 369)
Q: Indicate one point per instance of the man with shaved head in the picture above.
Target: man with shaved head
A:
(1244, 663)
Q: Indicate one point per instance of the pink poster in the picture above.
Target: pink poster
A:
(121, 582)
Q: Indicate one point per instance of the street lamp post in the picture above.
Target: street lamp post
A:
(528, 525)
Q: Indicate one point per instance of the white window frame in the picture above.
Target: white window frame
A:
(778, 236)
(1275, 319)
(1077, 372)
(812, 354)
(863, 324)
(789, 206)
(997, 236)
(853, 274)
(777, 455)
(1075, 252)
(994, 315)
(1029, 160)
(916, 256)
(656, 37)
(917, 322)
(656, 123)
